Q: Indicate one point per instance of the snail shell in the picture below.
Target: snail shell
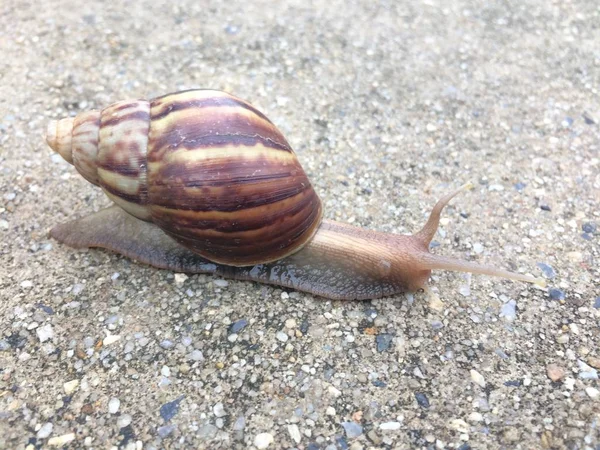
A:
(209, 169)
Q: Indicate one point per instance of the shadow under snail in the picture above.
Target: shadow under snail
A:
(205, 183)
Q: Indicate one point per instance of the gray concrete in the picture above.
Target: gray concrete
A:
(388, 106)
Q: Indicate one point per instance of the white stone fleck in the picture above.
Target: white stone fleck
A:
(330, 411)
(113, 405)
(26, 284)
(477, 378)
(45, 431)
(219, 410)
(70, 386)
(59, 441)
(124, 420)
(592, 392)
(294, 433)
(111, 339)
(221, 283)
(281, 336)
(45, 332)
(334, 391)
(180, 278)
(165, 371)
(390, 426)
(459, 425)
(263, 440)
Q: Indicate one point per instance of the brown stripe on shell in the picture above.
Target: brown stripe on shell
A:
(271, 242)
(123, 141)
(86, 127)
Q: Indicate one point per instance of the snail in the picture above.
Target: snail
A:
(203, 182)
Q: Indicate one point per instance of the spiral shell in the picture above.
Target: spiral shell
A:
(206, 167)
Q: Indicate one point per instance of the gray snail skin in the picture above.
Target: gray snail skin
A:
(205, 183)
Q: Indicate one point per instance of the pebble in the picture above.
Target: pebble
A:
(547, 270)
(383, 341)
(110, 339)
(45, 431)
(475, 417)
(390, 426)
(263, 440)
(592, 392)
(45, 333)
(4, 345)
(562, 338)
(170, 409)
(294, 433)
(334, 391)
(477, 378)
(281, 336)
(239, 424)
(124, 420)
(219, 410)
(556, 294)
(167, 344)
(589, 227)
(60, 441)
(238, 326)
(196, 355)
(586, 372)
(113, 405)
(594, 362)
(477, 248)
(70, 386)
(180, 278)
(509, 310)
(26, 284)
(422, 400)
(165, 371)
(330, 411)
(221, 283)
(166, 430)
(352, 429)
(597, 303)
(459, 425)
(555, 372)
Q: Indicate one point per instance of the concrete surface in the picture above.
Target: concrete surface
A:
(389, 105)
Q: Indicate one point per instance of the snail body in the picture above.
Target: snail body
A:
(204, 182)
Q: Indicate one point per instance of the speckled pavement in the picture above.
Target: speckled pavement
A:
(389, 105)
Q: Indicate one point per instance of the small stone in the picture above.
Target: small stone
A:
(170, 409)
(390, 426)
(26, 284)
(294, 433)
(165, 371)
(221, 283)
(547, 270)
(45, 431)
(330, 411)
(562, 338)
(589, 227)
(124, 420)
(167, 344)
(70, 386)
(4, 345)
(219, 410)
(509, 310)
(196, 355)
(334, 391)
(352, 429)
(555, 372)
(586, 372)
(422, 400)
(263, 440)
(430, 127)
(113, 405)
(281, 336)
(477, 378)
(45, 333)
(556, 294)
(239, 424)
(60, 441)
(238, 326)
(475, 417)
(592, 392)
(110, 339)
(477, 248)
(459, 425)
(597, 303)
(180, 278)
(166, 430)
(383, 342)
(290, 324)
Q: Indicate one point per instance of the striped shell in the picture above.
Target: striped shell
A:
(208, 168)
